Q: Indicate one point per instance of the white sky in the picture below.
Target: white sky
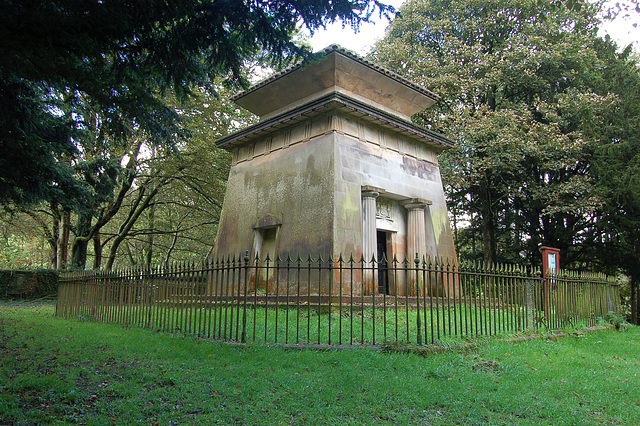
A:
(620, 30)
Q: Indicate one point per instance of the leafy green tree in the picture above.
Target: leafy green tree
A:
(174, 202)
(518, 80)
(130, 186)
(83, 88)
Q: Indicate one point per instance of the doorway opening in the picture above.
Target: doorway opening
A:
(383, 262)
(265, 250)
(268, 238)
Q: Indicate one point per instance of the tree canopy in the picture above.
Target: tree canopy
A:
(545, 116)
(522, 95)
(150, 205)
(63, 63)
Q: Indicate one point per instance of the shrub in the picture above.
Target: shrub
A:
(28, 284)
(618, 321)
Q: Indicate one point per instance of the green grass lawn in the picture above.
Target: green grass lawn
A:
(71, 371)
(322, 325)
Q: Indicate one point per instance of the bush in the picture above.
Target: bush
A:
(618, 321)
(28, 284)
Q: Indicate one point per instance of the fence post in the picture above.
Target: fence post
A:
(529, 294)
(417, 263)
(244, 308)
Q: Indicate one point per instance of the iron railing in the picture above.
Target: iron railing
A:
(338, 301)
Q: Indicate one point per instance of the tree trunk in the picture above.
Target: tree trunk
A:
(489, 239)
(52, 239)
(97, 249)
(167, 258)
(63, 240)
(143, 202)
(635, 298)
(149, 251)
(132, 260)
(488, 226)
(81, 242)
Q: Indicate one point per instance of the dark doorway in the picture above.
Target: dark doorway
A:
(383, 262)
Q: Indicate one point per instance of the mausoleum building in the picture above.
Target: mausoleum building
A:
(335, 166)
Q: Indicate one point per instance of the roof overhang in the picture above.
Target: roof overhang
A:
(343, 104)
(336, 70)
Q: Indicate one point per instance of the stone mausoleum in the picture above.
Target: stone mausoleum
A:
(335, 166)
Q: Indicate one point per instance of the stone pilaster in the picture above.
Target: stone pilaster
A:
(416, 237)
(369, 196)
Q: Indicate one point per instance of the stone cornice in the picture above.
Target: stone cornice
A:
(335, 102)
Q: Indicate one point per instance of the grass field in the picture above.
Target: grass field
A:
(56, 371)
(324, 325)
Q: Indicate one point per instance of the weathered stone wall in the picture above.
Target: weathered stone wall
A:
(335, 166)
(290, 188)
(306, 181)
(404, 168)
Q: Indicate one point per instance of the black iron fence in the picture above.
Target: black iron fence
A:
(338, 301)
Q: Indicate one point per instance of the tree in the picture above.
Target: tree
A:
(617, 168)
(83, 89)
(184, 198)
(59, 59)
(519, 85)
(128, 189)
(149, 173)
(182, 195)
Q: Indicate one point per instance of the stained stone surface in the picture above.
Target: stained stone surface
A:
(329, 131)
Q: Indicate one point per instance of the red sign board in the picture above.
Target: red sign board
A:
(550, 260)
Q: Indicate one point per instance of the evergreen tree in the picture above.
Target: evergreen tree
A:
(59, 59)
(616, 168)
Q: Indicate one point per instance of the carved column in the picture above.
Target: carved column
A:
(369, 196)
(416, 238)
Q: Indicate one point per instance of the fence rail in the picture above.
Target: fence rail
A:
(337, 301)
